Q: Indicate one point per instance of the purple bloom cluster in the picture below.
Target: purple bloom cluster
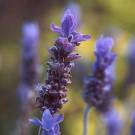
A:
(98, 86)
(29, 73)
(113, 122)
(49, 123)
(30, 53)
(29, 65)
(53, 93)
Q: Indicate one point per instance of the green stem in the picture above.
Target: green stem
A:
(85, 120)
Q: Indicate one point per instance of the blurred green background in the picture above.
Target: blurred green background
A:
(107, 17)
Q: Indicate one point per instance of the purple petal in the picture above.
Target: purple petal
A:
(80, 37)
(47, 120)
(68, 47)
(72, 56)
(111, 57)
(35, 121)
(61, 40)
(58, 118)
(56, 29)
(68, 23)
(104, 45)
(57, 129)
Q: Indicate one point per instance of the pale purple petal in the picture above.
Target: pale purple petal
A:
(68, 47)
(61, 40)
(68, 23)
(104, 45)
(72, 56)
(80, 37)
(111, 57)
(35, 121)
(58, 118)
(56, 29)
(47, 120)
(57, 129)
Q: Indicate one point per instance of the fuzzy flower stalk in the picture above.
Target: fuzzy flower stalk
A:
(54, 92)
(97, 87)
(29, 72)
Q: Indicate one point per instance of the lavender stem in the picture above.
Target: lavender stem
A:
(39, 131)
(85, 119)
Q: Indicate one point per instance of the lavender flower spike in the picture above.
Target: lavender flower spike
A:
(30, 33)
(96, 85)
(49, 123)
(29, 72)
(54, 92)
(97, 88)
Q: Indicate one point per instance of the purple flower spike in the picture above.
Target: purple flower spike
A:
(49, 123)
(53, 94)
(29, 72)
(97, 88)
(30, 39)
(68, 29)
(60, 64)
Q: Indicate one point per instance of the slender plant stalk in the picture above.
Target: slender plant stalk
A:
(39, 131)
(85, 119)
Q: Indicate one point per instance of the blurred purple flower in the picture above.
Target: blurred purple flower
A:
(104, 56)
(68, 27)
(130, 76)
(97, 88)
(49, 123)
(30, 38)
(113, 122)
(29, 73)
